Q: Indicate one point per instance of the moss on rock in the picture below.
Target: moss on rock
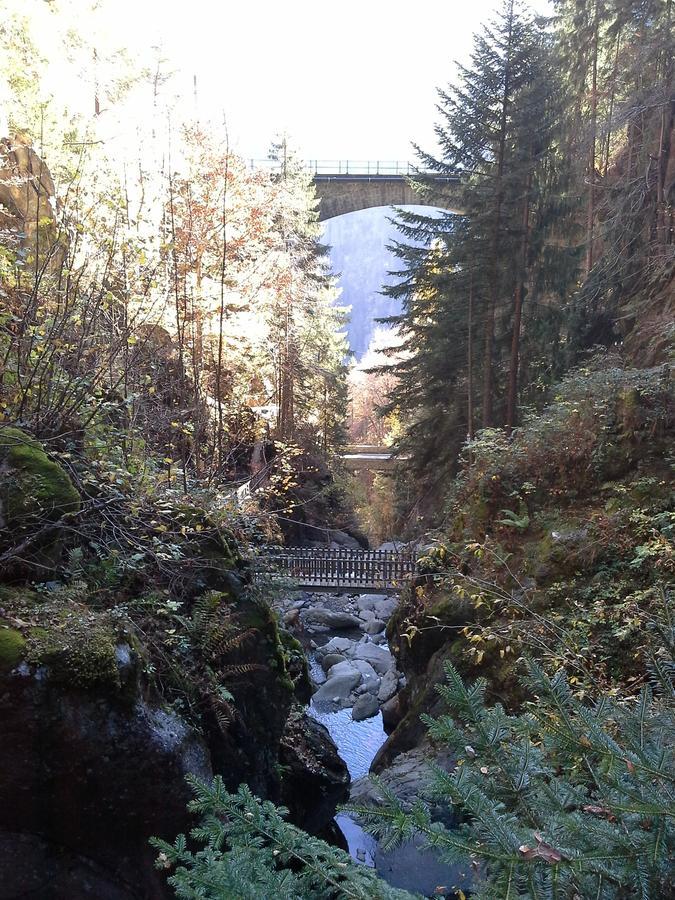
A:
(12, 646)
(80, 653)
(32, 486)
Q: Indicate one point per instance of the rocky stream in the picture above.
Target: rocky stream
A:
(356, 685)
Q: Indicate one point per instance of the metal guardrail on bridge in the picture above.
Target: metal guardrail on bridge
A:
(333, 167)
(343, 568)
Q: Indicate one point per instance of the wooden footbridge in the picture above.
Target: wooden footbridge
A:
(377, 571)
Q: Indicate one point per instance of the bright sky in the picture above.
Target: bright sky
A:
(350, 79)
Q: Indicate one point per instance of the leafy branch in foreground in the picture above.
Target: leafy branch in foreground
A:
(568, 800)
(249, 852)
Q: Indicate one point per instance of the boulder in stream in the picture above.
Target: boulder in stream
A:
(331, 659)
(327, 618)
(335, 691)
(374, 626)
(379, 657)
(365, 707)
(315, 778)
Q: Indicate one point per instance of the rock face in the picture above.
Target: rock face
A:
(316, 779)
(80, 785)
(27, 193)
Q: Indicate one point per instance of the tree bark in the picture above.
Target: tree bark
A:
(590, 208)
(519, 292)
(488, 374)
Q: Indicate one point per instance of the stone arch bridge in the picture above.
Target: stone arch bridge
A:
(345, 186)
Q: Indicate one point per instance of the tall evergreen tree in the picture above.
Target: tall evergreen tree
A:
(463, 289)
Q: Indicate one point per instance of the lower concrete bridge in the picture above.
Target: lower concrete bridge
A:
(357, 457)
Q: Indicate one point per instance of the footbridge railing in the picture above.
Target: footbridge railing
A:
(384, 570)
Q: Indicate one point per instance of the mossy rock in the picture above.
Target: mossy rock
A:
(32, 486)
(78, 655)
(12, 647)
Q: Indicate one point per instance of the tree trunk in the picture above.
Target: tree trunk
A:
(469, 363)
(590, 208)
(667, 117)
(488, 374)
(519, 292)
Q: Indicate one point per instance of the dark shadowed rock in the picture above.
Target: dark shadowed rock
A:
(391, 713)
(315, 778)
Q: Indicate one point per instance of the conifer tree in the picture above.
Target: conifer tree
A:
(463, 289)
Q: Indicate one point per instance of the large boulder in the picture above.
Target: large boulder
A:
(337, 621)
(80, 793)
(34, 490)
(315, 777)
(36, 495)
(379, 657)
(334, 692)
(102, 716)
(365, 707)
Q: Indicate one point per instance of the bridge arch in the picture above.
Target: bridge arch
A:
(344, 186)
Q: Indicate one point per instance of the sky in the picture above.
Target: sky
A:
(349, 79)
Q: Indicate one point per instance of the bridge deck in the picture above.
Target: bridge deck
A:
(366, 570)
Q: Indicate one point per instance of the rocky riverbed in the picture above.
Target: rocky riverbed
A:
(350, 660)
(356, 684)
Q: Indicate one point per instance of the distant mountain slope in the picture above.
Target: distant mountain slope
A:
(360, 257)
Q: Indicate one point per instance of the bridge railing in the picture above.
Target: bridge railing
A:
(316, 567)
(343, 166)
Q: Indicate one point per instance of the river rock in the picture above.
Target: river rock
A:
(335, 691)
(375, 626)
(385, 608)
(336, 645)
(365, 707)
(329, 619)
(367, 602)
(344, 667)
(392, 713)
(388, 686)
(379, 657)
(369, 677)
(292, 618)
(315, 779)
(331, 659)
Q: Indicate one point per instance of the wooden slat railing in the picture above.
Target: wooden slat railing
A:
(316, 567)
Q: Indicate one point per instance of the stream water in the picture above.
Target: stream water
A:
(410, 866)
(357, 743)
